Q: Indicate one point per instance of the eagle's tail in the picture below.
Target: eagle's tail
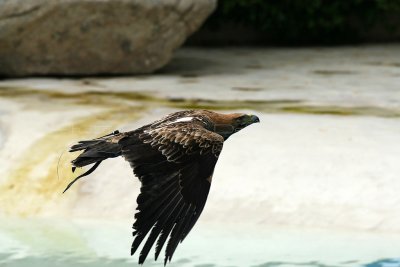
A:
(94, 151)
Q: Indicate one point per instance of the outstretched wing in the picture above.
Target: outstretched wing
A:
(175, 164)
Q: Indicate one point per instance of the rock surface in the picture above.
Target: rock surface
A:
(72, 37)
(325, 155)
(316, 183)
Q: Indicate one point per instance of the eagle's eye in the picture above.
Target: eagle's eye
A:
(241, 122)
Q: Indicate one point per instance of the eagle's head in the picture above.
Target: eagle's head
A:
(242, 121)
(228, 124)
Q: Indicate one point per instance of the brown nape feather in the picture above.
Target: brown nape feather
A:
(218, 118)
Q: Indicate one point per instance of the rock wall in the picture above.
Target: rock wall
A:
(73, 37)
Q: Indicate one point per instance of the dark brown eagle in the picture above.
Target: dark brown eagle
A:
(174, 159)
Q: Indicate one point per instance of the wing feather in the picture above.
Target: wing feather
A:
(168, 228)
(175, 212)
(177, 233)
(174, 163)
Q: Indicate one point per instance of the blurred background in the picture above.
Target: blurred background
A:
(316, 183)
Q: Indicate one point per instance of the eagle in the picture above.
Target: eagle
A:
(174, 159)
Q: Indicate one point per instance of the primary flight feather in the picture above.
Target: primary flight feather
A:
(174, 159)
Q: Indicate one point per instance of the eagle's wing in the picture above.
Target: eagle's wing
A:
(175, 164)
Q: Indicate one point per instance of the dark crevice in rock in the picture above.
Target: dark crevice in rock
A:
(22, 13)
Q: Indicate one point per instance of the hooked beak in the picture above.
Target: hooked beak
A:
(254, 119)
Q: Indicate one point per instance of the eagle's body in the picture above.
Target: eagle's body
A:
(174, 158)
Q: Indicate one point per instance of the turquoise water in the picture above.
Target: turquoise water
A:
(89, 243)
(60, 262)
(71, 260)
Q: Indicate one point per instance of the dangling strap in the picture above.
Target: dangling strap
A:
(83, 175)
(107, 135)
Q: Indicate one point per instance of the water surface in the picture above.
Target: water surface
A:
(50, 242)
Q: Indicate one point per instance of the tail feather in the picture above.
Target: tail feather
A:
(83, 145)
(94, 151)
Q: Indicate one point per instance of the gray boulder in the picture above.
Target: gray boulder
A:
(84, 37)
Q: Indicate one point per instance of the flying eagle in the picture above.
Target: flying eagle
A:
(174, 159)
